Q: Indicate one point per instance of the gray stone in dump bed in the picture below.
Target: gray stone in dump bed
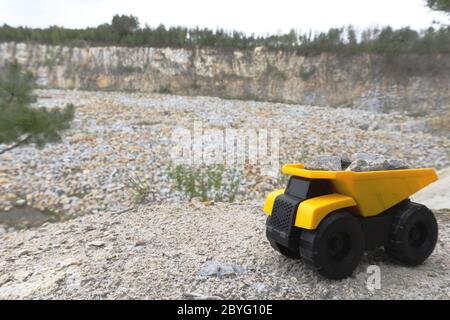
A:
(374, 162)
(360, 165)
(359, 162)
(330, 163)
(393, 164)
(369, 157)
(345, 162)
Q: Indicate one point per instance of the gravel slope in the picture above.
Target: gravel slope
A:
(159, 250)
(436, 195)
(116, 135)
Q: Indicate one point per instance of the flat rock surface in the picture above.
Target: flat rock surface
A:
(161, 251)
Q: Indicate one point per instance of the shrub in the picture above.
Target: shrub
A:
(211, 182)
(164, 90)
(140, 190)
(306, 73)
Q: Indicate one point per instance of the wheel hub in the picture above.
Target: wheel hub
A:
(339, 246)
(417, 235)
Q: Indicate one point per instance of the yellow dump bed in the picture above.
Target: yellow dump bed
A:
(373, 191)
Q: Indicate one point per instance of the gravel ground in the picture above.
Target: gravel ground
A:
(164, 250)
(172, 248)
(436, 195)
(116, 135)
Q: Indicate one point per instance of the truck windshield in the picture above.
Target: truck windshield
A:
(307, 188)
(298, 187)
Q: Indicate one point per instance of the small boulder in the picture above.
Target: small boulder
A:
(214, 268)
(394, 164)
(374, 162)
(345, 162)
(360, 165)
(260, 287)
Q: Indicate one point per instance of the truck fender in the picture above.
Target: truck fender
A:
(312, 211)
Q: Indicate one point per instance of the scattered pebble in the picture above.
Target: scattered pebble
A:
(332, 163)
(140, 243)
(21, 202)
(97, 244)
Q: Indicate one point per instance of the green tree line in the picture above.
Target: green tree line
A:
(126, 31)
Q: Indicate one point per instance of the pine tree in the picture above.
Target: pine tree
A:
(439, 5)
(22, 124)
(124, 25)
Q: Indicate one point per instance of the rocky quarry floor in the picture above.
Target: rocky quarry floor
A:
(120, 135)
(173, 248)
(191, 250)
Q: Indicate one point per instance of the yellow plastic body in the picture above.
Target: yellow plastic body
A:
(312, 211)
(368, 193)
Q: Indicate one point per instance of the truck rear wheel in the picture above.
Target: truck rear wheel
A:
(413, 235)
(336, 247)
(285, 251)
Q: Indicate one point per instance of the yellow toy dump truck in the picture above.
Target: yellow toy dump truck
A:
(328, 218)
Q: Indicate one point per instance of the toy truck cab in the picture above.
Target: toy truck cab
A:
(329, 218)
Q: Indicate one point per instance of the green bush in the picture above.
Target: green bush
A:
(211, 182)
(306, 73)
(165, 90)
(139, 190)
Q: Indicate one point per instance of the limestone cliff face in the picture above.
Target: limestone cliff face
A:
(416, 84)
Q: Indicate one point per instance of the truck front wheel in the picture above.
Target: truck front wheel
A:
(336, 247)
(413, 235)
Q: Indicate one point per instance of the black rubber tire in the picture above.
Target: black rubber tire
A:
(336, 247)
(285, 251)
(413, 235)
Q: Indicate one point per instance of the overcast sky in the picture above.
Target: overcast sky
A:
(250, 16)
